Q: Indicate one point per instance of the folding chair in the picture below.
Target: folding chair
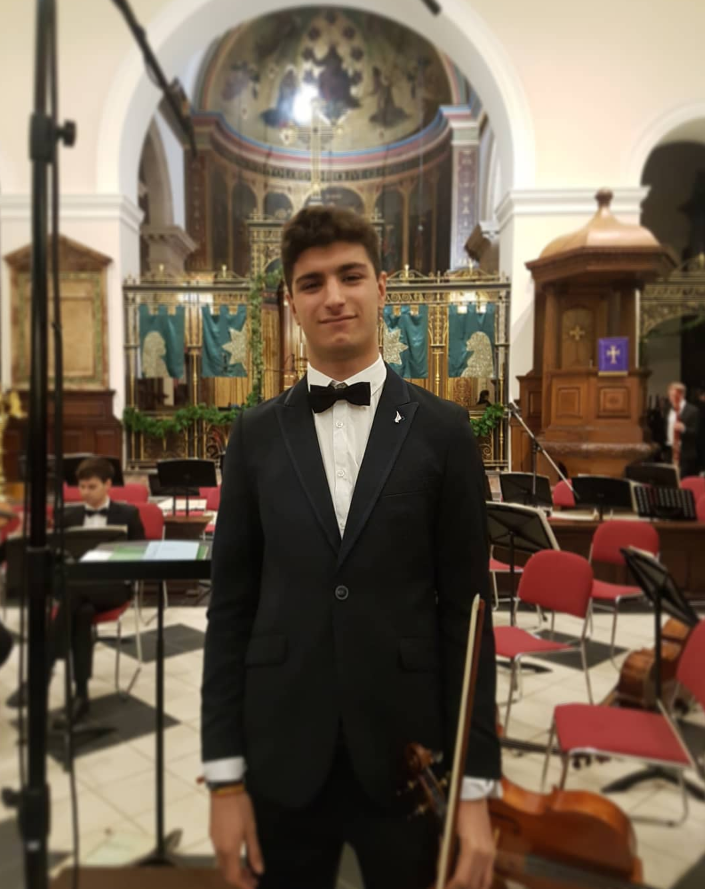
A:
(556, 581)
(648, 737)
(607, 542)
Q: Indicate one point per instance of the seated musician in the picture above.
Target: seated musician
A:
(351, 540)
(85, 600)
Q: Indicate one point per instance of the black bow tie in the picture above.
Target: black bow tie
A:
(92, 512)
(322, 397)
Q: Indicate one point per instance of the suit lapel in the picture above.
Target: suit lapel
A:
(299, 432)
(385, 441)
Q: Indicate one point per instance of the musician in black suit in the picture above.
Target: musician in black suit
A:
(351, 540)
(85, 600)
(682, 423)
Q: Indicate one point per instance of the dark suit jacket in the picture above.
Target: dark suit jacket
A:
(309, 635)
(118, 514)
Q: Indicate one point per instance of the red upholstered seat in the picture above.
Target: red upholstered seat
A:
(503, 567)
(513, 641)
(106, 617)
(630, 733)
(700, 508)
(562, 495)
(609, 592)
(694, 483)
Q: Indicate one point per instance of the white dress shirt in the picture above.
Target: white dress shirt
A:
(673, 415)
(97, 521)
(343, 431)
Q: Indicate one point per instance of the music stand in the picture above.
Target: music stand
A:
(71, 463)
(518, 487)
(658, 585)
(604, 492)
(185, 477)
(665, 503)
(662, 475)
(522, 529)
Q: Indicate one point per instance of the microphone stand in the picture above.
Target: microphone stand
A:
(33, 801)
(536, 449)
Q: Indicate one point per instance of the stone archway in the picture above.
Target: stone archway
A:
(186, 26)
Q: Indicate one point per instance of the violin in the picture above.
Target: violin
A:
(558, 840)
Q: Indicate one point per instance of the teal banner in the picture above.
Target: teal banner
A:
(162, 342)
(471, 340)
(224, 343)
(406, 341)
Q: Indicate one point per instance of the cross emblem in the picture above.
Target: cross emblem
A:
(613, 354)
(577, 333)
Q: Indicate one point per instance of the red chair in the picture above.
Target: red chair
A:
(563, 495)
(114, 616)
(617, 733)
(554, 581)
(700, 509)
(133, 492)
(72, 494)
(212, 496)
(694, 483)
(607, 542)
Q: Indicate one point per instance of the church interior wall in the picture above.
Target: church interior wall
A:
(569, 105)
(174, 154)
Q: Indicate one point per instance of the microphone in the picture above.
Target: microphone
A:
(432, 6)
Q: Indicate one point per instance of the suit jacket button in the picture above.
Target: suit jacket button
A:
(341, 593)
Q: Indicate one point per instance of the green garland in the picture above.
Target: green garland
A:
(490, 419)
(261, 283)
(159, 427)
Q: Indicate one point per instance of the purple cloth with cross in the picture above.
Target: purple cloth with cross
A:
(613, 354)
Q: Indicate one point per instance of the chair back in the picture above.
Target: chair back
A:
(152, 520)
(557, 581)
(700, 509)
(130, 493)
(563, 495)
(691, 667)
(694, 483)
(610, 537)
(212, 498)
(72, 494)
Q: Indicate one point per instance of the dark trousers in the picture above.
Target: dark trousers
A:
(302, 847)
(83, 603)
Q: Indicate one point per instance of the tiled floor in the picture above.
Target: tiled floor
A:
(115, 774)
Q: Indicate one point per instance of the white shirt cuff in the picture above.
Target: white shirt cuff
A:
(232, 769)
(473, 789)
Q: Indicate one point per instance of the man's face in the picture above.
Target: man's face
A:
(94, 492)
(336, 299)
(675, 396)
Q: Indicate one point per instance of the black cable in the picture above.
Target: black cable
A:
(432, 6)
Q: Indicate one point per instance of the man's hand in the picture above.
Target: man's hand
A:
(679, 426)
(232, 825)
(475, 868)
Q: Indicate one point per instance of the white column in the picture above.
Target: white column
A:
(465, 142)
(106, 223)
(529, 219)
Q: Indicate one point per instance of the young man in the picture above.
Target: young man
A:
(94, 477)
(351, 540)
(682, 422)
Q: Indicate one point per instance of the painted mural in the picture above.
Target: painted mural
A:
(367, 81)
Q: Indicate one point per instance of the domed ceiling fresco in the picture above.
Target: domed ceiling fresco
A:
(368, 81)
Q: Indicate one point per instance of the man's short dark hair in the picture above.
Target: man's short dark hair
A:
(95, 467)
(322, 226)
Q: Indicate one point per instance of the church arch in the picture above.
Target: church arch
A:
(686, 123)
(154, 173)
(184, 27)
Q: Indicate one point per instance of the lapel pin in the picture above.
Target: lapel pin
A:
(398, 418)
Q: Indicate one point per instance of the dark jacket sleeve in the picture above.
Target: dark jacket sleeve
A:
(462, 571)
(235, 583)
(135, 528)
